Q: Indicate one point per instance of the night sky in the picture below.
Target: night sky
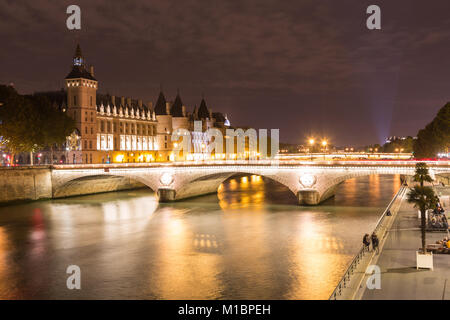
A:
(307, 67)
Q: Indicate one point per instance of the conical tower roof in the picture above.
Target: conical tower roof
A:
(203, 111)
(160, 107)
(177, 107)
(78, 53)
(78, 68)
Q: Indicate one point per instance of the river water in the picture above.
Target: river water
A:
(249, 241)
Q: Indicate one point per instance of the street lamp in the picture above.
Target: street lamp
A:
(324, 145)
(311, 143)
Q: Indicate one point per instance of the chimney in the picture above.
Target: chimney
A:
(210, 113)
(150, 106)
(167, 107)
(122, 101)
(183, 108)
(113, 99)
(140, 103)
(91, 70)
(129, 101)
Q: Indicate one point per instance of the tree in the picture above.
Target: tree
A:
(19, 127)
(30, 123)
(399, 145)
(422, 174)
(422, 197)
(56, 125)
(435, 137)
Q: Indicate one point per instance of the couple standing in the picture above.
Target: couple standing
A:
(374, 239)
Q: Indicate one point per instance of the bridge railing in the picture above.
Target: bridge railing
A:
(380, 229)
(345, 163)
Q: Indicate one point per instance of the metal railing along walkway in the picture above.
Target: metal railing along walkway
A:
(380, 229)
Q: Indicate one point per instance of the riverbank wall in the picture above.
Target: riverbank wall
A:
(35, 183)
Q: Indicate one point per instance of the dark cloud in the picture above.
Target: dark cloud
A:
(301, 66)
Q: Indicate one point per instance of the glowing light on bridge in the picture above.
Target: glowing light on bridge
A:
(166, 179)
(307, 180)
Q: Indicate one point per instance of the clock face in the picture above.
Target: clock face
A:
(166, 179)
(77, 61)
(307, 180)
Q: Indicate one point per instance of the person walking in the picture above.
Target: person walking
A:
(375, 242)
(366, 242)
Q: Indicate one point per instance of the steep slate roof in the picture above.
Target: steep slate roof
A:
(80, 72)
(203, 111)
(177, 107)
(107, 99)
(160, 107)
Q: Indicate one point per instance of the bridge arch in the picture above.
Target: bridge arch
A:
(74, 185)
(210, 183)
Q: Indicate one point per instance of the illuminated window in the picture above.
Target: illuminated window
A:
(78, 61)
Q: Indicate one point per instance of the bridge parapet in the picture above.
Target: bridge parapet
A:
(311, 183)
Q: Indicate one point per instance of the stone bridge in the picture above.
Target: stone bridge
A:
(311, 182)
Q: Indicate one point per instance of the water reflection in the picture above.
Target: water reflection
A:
(250, 241)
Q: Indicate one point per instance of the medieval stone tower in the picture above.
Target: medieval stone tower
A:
(81, 101)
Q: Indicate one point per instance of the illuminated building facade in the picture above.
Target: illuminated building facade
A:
(118, 129)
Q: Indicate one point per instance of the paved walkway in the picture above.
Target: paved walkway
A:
(399, 278)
